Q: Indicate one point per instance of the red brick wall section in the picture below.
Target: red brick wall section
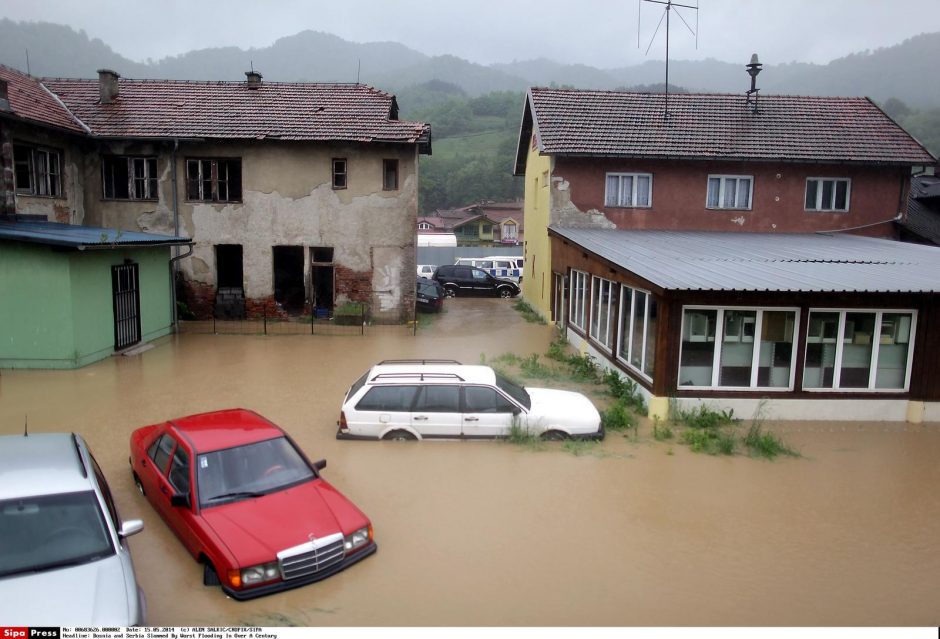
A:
(7, 192)
(199, 298)
(680, 188)
(356, 285)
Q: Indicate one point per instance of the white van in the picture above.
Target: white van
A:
(507, 267)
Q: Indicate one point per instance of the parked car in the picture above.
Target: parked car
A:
(64, 558)
(429, 295)
(426, 270)
(467, 280)
(507, 267)
(247, 503)
(443, 399)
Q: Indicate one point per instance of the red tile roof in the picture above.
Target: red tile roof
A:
(717, 126)
(230, 110)
(30, 101)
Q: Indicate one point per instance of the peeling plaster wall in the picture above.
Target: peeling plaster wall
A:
(70, 207)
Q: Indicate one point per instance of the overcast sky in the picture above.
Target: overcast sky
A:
(601, 33)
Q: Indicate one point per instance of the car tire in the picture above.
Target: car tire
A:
(209, 575)
(505, 293)
(140, 486)
(554, 436)
(399, 436)
(450, 291)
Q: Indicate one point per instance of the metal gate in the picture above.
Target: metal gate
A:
(124, 286)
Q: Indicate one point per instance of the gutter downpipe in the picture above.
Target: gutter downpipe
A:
(174, 261)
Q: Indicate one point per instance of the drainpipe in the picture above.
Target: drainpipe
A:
(174, 262)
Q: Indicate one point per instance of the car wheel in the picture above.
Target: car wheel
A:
(140, 486)
(209, 576)
(505, 293)
(554, 436)
(450, 291)
(399, 436)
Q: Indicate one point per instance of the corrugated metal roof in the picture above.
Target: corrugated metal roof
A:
(80, 237)
(703, 261)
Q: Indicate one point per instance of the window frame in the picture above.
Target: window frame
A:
(41, 183)
(755, 355)
(628, 332)
(722, 182)
(344, 174)
(387, 164)
(573, 313)
(634, 181)
(876, 347)
(151, 182)
(605, 344)
(213, 179)
(819, 191)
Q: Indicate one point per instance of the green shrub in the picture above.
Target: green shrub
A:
(713, 441)
(764, 444)
(532, 367)
(528, 313)
(618, 417)
(626, 389)
(662, 432)
(701, 417)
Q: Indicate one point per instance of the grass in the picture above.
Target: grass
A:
(764, 444)
(618, 417)
(580, 447)
(712, 432)
(528, 313)
(662, 432)
(625, 389)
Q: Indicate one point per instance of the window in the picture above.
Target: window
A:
(388, 398)
(339, 173)
(637, 347)
(578, 298)
(828, 194)
(37, 171)
(214, 180)
(423, 226)
(601, 306)
(390, 175)
(438, 399)
(160, 451)
(729, 192)
(179, 471)
(481, 399)
(129, 178)
(510, 232)
(629, 189)
(859, 350)
(745, 348)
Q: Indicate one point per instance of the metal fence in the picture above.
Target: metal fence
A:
(346, 324)
(438, 255)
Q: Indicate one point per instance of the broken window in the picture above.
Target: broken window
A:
(37, 171)
(129, 178)
(390, 172)
(218, 180)
(339, 173)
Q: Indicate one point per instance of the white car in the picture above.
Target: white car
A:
(443, 399)
(426, 270)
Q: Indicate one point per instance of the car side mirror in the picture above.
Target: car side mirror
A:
(516, 410)
(131, 527)
(320, 464)
(181, 499)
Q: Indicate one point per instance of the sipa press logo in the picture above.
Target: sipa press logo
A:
(9, 632)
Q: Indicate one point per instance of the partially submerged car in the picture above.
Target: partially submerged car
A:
(64, 558)
(443, 399)
(247, 503)
(429, 295)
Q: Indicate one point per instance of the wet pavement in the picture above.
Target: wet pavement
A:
(633, 532)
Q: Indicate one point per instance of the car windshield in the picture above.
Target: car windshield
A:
(515, 391)
(51, 531)
(249, 471)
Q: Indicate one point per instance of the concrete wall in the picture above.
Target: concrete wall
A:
(287, 199)
(72, 323)
(679, 191)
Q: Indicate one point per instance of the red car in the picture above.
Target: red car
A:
(247, 503)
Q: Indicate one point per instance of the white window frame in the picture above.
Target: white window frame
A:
(722, 184)
(424, 226)
(633, 203)
(509, 231)
(755, 355)
(628, 292)
(579, 280)
(602, 337)
(819, 190)
(875, 348)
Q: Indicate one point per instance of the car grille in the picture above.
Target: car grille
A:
(311, 557)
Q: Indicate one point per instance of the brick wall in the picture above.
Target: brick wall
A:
(7, 189)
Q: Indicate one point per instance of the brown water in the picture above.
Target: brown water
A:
(488, 533)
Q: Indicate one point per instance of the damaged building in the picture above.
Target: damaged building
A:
(298, 197)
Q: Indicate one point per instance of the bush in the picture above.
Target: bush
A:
(626, 389)
(618, 417)
(766, 445)
(662, 432)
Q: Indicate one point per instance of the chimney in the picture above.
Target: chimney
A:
(254, 79)
(107, 85)
(4, 98)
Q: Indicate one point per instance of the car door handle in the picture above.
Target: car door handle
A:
(164, 490)
(421, 418)
(471, 419)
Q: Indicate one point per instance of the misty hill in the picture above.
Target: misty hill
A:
(903, 71)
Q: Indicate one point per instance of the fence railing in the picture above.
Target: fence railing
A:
(346, 323)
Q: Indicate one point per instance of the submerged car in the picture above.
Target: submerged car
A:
(247, 503)
(63, 555)
(443, 399)
(429, 295)
(463, 280)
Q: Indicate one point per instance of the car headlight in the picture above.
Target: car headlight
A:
(358, 539)
(262, 572)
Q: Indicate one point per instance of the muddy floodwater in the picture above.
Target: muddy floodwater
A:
(633, 532)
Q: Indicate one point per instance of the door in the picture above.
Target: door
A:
(126, 295)
(322, 280)
(289, 278)
(487, 413)
(381, 410)
(436, 411)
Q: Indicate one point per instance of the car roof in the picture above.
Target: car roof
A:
(408, 373)
(42, 464)
(221, 429)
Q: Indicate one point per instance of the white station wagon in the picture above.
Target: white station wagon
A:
(443, 399)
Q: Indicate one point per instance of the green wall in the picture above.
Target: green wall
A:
(56, 307)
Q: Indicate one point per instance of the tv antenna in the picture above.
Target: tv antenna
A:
(668, 6)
